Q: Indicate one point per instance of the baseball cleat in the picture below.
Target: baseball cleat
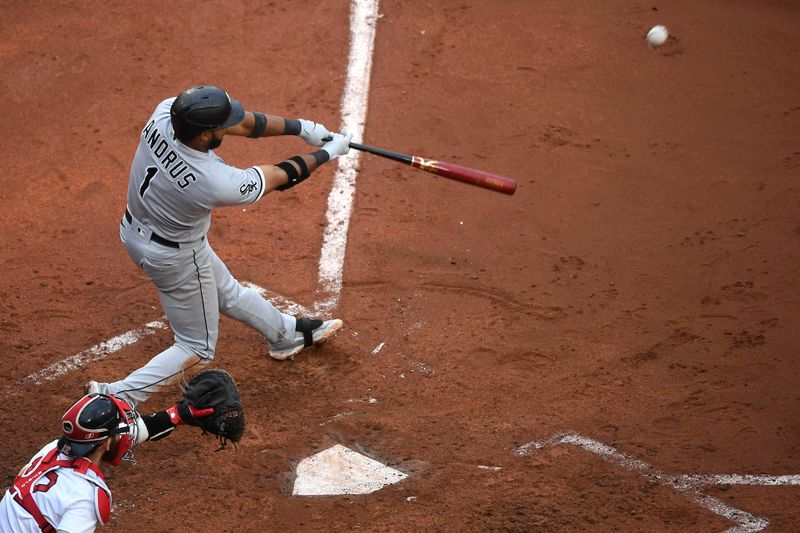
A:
(309, 332)
(92, 387)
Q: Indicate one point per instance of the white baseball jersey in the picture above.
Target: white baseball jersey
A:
(171, 192)
(172, 187)
(70, 495)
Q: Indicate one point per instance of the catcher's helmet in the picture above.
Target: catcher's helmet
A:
(93, 419)
(203, 108)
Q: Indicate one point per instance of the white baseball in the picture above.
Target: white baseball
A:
(657, 36)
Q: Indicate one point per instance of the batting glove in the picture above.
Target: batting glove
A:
(339, 145)
(313, 133)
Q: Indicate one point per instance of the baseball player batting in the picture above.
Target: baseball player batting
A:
(176, 180)
(62, 488)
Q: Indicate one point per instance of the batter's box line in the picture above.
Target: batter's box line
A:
(687, 484)
(95, 353)
(110, 346)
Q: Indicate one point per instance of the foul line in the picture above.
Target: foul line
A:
(688, 485)
(363, 17)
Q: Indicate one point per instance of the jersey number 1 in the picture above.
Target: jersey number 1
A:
(151, 172)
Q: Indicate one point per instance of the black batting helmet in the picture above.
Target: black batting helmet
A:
(203, 108)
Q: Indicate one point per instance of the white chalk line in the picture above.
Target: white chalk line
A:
(129, 338)
(363, 18)
(736, 479)
(281, 302)
(688, 484)
(95, 353)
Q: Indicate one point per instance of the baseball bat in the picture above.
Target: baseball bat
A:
(479, 178)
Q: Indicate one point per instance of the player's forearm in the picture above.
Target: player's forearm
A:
(289, 173)
(154, 426)
(158, 425)
(257, 124)
(276, 125)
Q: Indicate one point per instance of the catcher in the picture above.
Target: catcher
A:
(62, 488)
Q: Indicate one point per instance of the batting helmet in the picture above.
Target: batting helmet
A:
(203, 108)
(92, 420)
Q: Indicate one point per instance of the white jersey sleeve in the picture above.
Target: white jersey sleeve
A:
(235, 186)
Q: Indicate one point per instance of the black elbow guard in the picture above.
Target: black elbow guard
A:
(260, 126)
(294, 175)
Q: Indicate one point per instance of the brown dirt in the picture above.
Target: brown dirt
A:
(641, 288)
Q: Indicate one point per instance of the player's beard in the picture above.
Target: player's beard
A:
(214, 143)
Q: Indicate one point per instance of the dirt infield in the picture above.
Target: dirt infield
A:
(640, 290)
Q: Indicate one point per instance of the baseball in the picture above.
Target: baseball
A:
(657, 36)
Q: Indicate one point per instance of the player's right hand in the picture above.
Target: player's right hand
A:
(313, 133)
(339, 145)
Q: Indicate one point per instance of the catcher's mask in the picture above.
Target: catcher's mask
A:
(92, 420)
(203, 108)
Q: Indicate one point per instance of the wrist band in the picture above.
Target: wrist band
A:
(260, 126)
(291, 127)
(322, 156)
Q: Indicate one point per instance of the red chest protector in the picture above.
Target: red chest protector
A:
(46, 466)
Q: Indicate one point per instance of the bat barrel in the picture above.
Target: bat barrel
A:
(479, 178)
(472, 176)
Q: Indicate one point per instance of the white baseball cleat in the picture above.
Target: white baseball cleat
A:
(309, 332)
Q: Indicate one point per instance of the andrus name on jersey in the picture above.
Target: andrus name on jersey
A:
(167, 156)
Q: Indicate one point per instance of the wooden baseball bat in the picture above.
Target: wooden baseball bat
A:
(479, 178)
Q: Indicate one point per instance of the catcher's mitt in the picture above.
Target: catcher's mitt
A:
(215, 389)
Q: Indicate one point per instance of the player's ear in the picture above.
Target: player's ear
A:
(207, 137)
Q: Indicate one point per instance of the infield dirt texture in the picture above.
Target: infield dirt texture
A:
(641, 288)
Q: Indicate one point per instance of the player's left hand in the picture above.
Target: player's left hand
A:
(213, 389)
(194, 413)
(313, 133)
(339, 144)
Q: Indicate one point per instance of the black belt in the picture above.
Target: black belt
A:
(154, 237)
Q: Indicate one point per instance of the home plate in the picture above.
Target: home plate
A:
(340, 470)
